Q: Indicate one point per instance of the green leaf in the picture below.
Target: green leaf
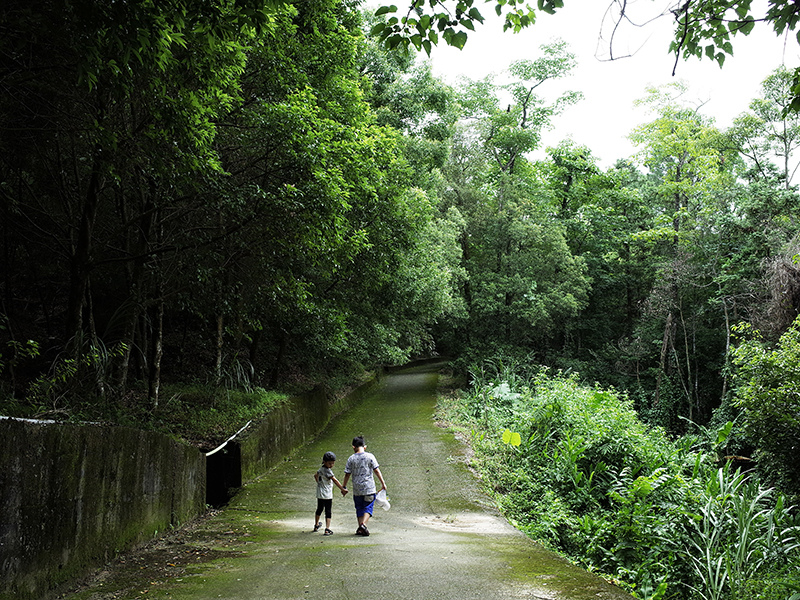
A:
(724, 433)
(512, 438)
(458, 39)
(475, 14)
(385, 9)
(742, 9)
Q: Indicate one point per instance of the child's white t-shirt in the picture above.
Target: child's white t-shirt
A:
(361, 466)
(325, 483)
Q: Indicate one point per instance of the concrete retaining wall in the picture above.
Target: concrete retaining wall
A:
(261, 446)
(73, 496)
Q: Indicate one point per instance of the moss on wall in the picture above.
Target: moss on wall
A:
(72, 496)
(302, 419)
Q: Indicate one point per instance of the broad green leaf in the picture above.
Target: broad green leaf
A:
(459, 39)
(385, 9)
(507, 436)
(742, 8)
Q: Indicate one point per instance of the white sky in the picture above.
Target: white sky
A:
(605, 117)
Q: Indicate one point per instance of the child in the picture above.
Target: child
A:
(362, 466)
(325, 480)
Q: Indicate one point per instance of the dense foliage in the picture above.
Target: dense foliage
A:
(203, 201)
(575, 468)
(203, 193)
(702, 29)
(269, 197)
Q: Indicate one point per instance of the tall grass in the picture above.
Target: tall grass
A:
(205, 415)
(667, 519)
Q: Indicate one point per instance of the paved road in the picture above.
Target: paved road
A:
(441, 539)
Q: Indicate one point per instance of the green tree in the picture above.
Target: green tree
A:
(511, 130)
(108, 123)
(693, 163)
(768, 392)
(770, 131)
(329, 236)
(524, 284)
(223, 194)
(603, 214)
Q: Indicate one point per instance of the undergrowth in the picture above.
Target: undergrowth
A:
(575, 468)
(205, 416)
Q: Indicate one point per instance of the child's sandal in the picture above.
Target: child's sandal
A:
(328, 532)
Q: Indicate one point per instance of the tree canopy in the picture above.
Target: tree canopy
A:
(702, 29)
(219, 198)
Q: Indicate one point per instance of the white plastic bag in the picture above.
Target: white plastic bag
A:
(382, 501)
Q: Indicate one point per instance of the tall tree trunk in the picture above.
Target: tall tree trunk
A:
(101, 363)
(139, 248)
(273, 380)
(687, 383)
(158, 336)
(465, 257)
(220, 342)
(255, 344)
(80, 261)
(665, 345)
(129, 343)
(727, 350)
(154, 386)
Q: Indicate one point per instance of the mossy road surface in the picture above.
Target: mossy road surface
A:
(441, 540)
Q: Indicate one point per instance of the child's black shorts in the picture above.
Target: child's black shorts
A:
(326, 505)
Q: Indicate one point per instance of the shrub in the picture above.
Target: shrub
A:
(585, 476)
(204, 414)
(768, 393)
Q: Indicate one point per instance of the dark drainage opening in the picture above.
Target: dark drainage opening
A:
(223, 474)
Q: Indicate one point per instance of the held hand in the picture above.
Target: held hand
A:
(344, 491)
